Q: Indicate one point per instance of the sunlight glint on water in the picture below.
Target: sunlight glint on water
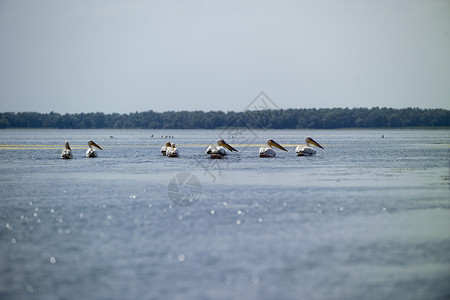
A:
(367, 217)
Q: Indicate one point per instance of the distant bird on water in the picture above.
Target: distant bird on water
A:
(268, 151)
(90, 152)
(218, 151)
(307, 150)
(172, 151)
(67, 152)
(165, 147)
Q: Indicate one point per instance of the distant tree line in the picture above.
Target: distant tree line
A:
(323, 118)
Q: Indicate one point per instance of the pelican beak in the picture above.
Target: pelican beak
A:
(95, 145)
(229, 147)
(315, 143)
(275, 144)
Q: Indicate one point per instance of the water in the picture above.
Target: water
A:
(366, 218)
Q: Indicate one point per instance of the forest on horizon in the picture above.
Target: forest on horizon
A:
(323, 118)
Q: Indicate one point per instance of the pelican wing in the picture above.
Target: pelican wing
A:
(90, 152)
(266, 152)
(210, 149)
(164, 148)
(305, 151)
(172, 151)
(216, 151)
(66, 154)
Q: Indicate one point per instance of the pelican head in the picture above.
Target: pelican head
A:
(272, 143)
(222, 143)
(168, 144)
(66, 146)
(91, 143)
(309, 141)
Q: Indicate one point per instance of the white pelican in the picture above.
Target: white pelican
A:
(172, 151)
(164, 148)
(67, 152)
(219, 150)
(307, 150)
(90, 152)
(268, 151)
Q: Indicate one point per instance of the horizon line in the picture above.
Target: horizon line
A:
(222, 111)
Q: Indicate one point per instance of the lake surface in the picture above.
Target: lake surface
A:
(366, 218)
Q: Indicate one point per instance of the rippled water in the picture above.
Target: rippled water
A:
(366, 218)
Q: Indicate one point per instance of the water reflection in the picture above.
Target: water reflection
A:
(351, 220)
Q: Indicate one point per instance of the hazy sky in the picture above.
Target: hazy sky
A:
(127, 56)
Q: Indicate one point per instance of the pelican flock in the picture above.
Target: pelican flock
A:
(268, 151)
(214, 151)
(218, 151)
(90, 152)
(307, 150)
(67, 152)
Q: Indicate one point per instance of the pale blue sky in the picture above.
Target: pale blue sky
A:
(127, 56)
